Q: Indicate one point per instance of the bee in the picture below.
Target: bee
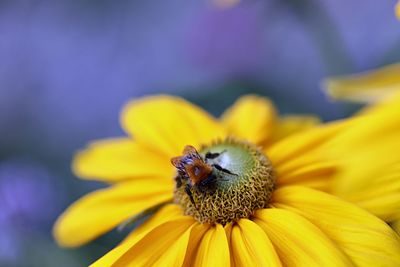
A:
(198, 172)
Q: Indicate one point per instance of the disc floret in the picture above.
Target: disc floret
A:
(223, 182)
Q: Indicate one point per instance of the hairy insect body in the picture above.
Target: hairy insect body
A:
(191, 166)
(197, 172)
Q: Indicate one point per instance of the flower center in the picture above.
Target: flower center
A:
(223, 182)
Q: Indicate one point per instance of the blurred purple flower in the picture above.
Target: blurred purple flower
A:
(67, 67)
(29, 202)
(370, 31)
(28, 196)
(9, 244)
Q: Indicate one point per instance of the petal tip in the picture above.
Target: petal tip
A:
(61, 234)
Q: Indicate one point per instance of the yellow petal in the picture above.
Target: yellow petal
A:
(112, 256)
(375, 178)
(120, 159)
(328, 152)
(365, 239)
(388, 104)
(364, 148)
(228, 230)
(398, 10)
(251, 246)
(213, 249)
(291, 124)
(299, 158)
(307, 171)
(164, 246)
(367, 87)
(367, 151)
(396, 226)
(102, 210)
(251, 118)
(167, 213)
(371, 127)
(294, 146)
(297, 241)
(196, 236)
(168, 123)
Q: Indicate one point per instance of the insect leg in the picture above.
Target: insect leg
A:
(189, 192)
(223, 170)
(210, 155)
(178, 181)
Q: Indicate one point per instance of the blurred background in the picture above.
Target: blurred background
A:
(67, 67)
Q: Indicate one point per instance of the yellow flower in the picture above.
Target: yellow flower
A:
(398, 10)
(289, 221)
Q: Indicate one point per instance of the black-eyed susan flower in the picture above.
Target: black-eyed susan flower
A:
(240, 191)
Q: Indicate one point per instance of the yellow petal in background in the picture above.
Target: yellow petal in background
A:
(388, 104)
(251, 118)
(168, 123)
(368, 87)
(119, 159)
(291, 124)
(164, 246)
(364, 238)
(102, 210)
(398, 10)
(251, 246)
(297, 241)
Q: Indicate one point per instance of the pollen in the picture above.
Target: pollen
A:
(240, 182)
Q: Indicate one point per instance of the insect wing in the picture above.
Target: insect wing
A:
(189, 150)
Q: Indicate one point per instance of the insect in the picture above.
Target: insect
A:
(196, 171)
